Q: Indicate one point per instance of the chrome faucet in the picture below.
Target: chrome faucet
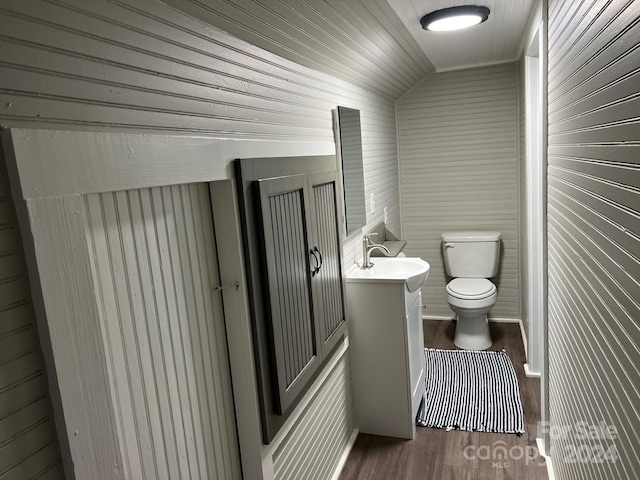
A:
(368, 247)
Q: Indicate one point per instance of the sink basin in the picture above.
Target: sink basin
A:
(411, 271)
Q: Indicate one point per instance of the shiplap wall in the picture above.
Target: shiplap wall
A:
(458, 143)
(28, 441)
(140, 66)
(305, 452)
(155, 268)
(594, 233)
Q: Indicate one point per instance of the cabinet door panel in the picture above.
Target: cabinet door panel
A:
(327, 282)
(287, 258)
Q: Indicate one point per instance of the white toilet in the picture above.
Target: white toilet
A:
(471, 258)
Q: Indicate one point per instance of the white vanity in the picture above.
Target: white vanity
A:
(386, 344)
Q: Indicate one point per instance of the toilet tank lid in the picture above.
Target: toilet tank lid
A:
(471, 236)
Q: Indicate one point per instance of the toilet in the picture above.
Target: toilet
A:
(471, 258)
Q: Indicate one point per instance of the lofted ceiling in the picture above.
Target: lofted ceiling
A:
(376, 44)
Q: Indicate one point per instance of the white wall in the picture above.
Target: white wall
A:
(145, 68)
(458, 143)
(532, 191)
(594, 236)
(522, 199)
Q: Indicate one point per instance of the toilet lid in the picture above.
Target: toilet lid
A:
(470, 288)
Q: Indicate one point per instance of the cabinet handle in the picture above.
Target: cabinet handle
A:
(315, 269)
(320, 255)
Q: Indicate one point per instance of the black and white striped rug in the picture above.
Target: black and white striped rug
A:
(471, 390)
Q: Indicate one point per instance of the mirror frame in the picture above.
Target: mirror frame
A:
(348, 135)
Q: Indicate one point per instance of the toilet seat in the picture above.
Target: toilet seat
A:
(470, 288)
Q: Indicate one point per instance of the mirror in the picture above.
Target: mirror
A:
(350, 143)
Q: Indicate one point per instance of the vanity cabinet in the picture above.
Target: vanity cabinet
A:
(386, 347)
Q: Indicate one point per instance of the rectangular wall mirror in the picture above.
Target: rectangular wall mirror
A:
(350, 144)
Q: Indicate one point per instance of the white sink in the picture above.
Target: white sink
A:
(412, 271)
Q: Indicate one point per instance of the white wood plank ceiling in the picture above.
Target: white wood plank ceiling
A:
(497, 40)
(376, 44)
(360, 41)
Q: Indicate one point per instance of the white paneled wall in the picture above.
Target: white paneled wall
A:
(28, 441)
(594, 235)
(458, 142)
(141, 66)
(155, 269)
(312, 448)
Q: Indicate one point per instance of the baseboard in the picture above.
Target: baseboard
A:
(345, 455)
(435, 317)
(491, 319)
(529, 373)
(504, 320)
(547, 459)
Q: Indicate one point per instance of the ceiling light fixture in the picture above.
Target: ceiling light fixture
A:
(454, 18)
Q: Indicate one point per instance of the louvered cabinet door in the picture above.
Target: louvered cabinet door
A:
(284, 202)
(327, 278)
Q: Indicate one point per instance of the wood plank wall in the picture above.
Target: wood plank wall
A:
(594, 234)
(306, 452)
(155, 269)
(28, 440)
(141, 66)
(458, 143)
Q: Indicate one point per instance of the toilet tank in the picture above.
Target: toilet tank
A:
(471, 254)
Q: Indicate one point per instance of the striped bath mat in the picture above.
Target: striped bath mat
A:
(471, 390)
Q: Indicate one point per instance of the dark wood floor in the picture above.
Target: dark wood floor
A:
(438, 454)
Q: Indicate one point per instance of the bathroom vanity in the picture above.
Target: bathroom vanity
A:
(386, 346)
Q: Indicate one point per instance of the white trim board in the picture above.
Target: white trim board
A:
(58, 163)
(239, 335)
(547, 458)
(525, 342)
(528, 373)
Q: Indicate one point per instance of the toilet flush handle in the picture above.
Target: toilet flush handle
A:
(449, 245)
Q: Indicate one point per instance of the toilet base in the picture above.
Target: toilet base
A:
(472, 332)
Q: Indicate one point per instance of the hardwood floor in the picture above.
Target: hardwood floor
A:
(438, 454)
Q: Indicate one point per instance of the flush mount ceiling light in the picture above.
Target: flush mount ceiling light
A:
(454, 18)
